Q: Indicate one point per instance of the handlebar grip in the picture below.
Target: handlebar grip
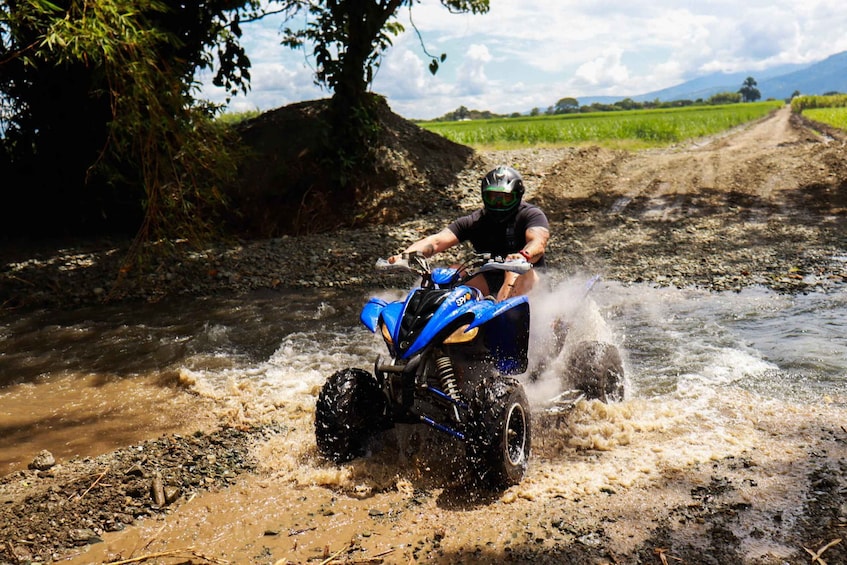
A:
(384, 265)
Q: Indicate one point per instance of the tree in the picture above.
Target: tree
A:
(348, 38)
(100, 126)
(748, 91)
(626, 104)
(567, 105)
(724, 98)
(461, 113)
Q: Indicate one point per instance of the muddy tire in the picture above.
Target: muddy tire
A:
(350, 411)
(596, 369)
(498, 433)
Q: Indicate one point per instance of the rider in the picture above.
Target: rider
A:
(505, 226)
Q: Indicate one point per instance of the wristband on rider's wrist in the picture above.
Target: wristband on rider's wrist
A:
(525, 254)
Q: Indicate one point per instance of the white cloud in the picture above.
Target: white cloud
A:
(471, 78)
(532, 52)
(400, 76)
(604, 71)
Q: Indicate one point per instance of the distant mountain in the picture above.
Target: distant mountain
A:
(829, 75)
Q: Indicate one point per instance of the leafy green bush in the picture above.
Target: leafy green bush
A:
(799, 104)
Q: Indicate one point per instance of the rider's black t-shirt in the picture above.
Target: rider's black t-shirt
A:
(488, 234)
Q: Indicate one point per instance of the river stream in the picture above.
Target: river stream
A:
(85, 381)
(739, 392)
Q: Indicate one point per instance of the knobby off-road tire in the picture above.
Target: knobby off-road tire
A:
(499, 438)
(350, 411)
(596, 369)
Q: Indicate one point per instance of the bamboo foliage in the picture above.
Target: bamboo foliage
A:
(154, 123)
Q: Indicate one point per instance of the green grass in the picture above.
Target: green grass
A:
(835, 117)
(830, 109)
(232, 118)
(632, 129)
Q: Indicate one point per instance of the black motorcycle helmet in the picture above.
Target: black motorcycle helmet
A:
(502, 190)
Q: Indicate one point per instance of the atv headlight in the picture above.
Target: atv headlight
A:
(461, 335)
(385, 335)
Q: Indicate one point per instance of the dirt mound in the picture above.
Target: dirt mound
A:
(286, 187)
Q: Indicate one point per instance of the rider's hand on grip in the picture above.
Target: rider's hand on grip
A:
(393, 263)
(514, 265)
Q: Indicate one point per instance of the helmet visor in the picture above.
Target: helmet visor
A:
(499, 200)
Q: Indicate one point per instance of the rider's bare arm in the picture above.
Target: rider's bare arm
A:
(431, 244)
(536, 243)
(513, 285)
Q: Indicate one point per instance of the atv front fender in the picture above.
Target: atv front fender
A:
(485, 310)
(371, 311)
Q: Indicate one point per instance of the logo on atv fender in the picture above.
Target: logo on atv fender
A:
(463, 299)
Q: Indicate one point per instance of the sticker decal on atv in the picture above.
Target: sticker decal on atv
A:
(460, 301)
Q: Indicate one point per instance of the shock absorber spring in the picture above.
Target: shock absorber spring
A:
(447, 377)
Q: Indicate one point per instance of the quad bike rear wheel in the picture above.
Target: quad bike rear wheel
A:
(596, 369)
(499, 435)
(350, 411)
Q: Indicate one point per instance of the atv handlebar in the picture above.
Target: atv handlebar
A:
(481, 263)
(519, 266)
(408, 263)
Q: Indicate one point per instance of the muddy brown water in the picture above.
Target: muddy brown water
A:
(745, 390)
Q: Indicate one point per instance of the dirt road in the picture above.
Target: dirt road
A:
(628, 483)
(762, 205)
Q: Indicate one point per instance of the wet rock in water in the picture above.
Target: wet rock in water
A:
(82, 536)
(43, 461)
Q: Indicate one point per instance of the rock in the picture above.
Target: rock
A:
(19, 552)
(81, 536)
(135, 471)
(172, 493)
(157, 490)
(43, 461)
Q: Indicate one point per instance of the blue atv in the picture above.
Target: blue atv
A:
(452, 358)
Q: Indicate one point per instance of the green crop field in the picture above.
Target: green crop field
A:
(829, 109)
(632, 129)
(835, 117)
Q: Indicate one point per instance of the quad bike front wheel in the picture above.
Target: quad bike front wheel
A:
(350, 410)
(596, 369)
(499, 435)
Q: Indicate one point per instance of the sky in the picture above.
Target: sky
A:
(525, 54)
